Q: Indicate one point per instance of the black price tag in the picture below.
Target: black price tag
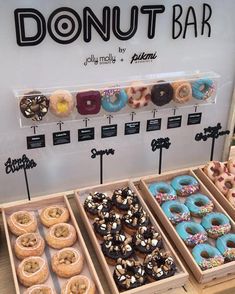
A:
(174, 122)
(37, 141)
(154, 124)
(60, 138)
(132, 128)
(86, 134)
(108, 131)
(194, 118)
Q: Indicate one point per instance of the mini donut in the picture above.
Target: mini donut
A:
(61, 235)
(129, 274)
(213, 169)
(78, 284)
(123, 198)
(182, 91)
(53, 215)
(22, 222)
(61, 103)
(67, 262)
(203, 89)
(231, 196)
(199, 205)
(161, 93)
(120, 100)
(116, 246)
(225, 182)
(139, 95)
(107, 222)
(191, 233)
(135, 217)
(29, 244)
(226, 245)
(146, 240)
(185, 185)
(97, 202)
(159, 265)
(216, 224)
(32, 271)
(162, 192)
(89, 102)
(231, 165)
(40, 289)
(176, 211)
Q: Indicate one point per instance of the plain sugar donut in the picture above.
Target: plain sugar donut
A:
(213, 169)
(225, 182)
(182, 91)
(61, 103)
(138, 95)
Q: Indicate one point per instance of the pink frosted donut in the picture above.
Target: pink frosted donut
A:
(138, 95)
(61, 103)
(225, 182)
(231, 196)
(213, 169)
(231, 165)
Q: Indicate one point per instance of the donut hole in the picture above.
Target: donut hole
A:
(184, 183)
(184, 91)
(62, 105)
(162, 190)
(228, 184)
(31, 266)
(78, 287)
(202, 88)
(113, 99)
(175, 210)
(216, 172)
(23, 218)
(199, 203)
(215, 222)
(55, 212)
(67, 257)
(205, 254)
(28, 241)
(162, 93)
(61, 232)
(191, 231)
(230, 244)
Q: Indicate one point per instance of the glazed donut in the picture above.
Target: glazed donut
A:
(128, 274)
(146, 240)
(216, 224)
(203, 89)
(40, 289)
(182, 91)
(185, 185)
(78, 284)
(32, 271)
(159, 265)
(29, 244)
(191, 233)
(67, 262)
(34, 105)
(120, 101)
(162, 192)
(231, 166)
(88, 102)
(213, 169)
(123, 198)
(61, 103)
(225, 182)
(53, 215)
(226, 246)
(139, 95)
(199, 205)
(231, 196)
(162, 93)
(135, 217)
(207, 256)
(116, 246)
(61, 235)
(97, 202)
(22, 222)
(176, 211)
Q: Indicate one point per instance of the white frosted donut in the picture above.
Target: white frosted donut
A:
(225, 182)
(22, 222)
(78, 284)
(138, 95)
(231, 165)
(61, 103)
(231, 196)
(214, 168)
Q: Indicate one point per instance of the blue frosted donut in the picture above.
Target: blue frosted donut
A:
(176, 211)
(216, 224)
(199, 205)
(118, 104)
(203, 89)
(207, 256)
(226, 245)
(185, 185)
(162, 192)
(191, 233)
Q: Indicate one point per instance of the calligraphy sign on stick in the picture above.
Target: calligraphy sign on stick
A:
(160, 143)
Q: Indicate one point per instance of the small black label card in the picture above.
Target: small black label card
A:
(132, 128)
(174, 122)
(154, 124)
(86, 134)
(194, 118)
(108, 131)
(60, 138)
(37, 141)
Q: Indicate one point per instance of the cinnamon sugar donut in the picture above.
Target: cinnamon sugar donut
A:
(78, 285)
(138, 95)
(213, 169)
(231, 196)
(225, 182)
(40, 289)
(22, 222)
(53, 215)
(231, 166)
(182, 91)
(61, 103)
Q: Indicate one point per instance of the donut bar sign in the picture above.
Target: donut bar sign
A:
(64, 25)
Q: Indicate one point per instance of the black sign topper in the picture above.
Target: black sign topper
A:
(160, 143)
(15, 165)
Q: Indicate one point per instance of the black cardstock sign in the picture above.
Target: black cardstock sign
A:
(160, 143)
(23, 163)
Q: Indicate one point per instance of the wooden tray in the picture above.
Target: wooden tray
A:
(35, 205)
(177, 280)
(205, 276)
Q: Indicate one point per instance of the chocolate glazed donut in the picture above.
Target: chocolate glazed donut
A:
(162, 93)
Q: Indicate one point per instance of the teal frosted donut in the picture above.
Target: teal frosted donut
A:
(120, 101)
(162, 192)
(176, 211)
(199, 205)
(203, 89)
(185, 185)
(191, 233)
(226, 245)
(216, 224)
(207, 256)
